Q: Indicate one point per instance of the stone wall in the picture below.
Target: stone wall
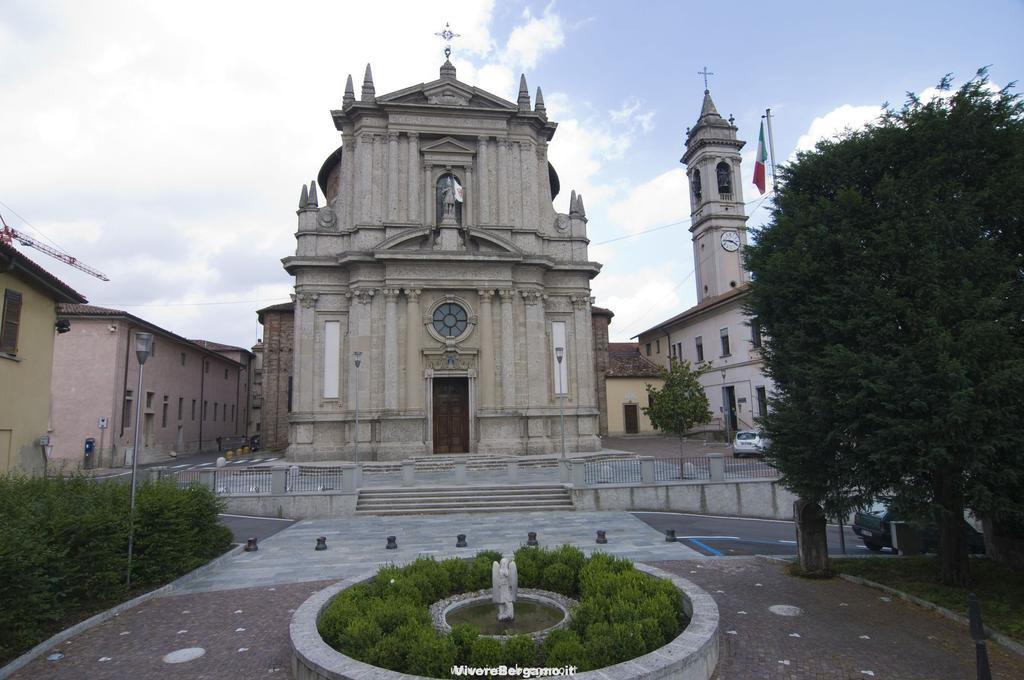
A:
(758, 499)
(278, 357)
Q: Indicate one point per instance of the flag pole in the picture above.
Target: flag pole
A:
(771, 147)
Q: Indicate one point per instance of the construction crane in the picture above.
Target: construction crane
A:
(9, 234)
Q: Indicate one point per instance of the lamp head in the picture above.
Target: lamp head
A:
(143, 346)
(559, 353)
(357, 358)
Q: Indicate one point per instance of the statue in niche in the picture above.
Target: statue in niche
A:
(450, 197)
(505, 587)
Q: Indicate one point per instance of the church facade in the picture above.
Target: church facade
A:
(441, 302)
(716, 331)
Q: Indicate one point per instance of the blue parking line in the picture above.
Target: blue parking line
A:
(705, 546)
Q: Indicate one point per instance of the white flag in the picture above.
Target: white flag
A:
(458, 190)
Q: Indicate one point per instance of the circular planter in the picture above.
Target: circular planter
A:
(692, 655)
(439, 611)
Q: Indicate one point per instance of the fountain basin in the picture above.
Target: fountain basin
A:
(529, 620)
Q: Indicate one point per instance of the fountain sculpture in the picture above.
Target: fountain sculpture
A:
(505, 587)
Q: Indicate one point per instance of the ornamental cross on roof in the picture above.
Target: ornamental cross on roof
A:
(704, 73)
(447, 34)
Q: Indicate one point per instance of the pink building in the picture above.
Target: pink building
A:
(194, 393)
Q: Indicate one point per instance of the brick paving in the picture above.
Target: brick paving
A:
(903, 641)
(135, 642)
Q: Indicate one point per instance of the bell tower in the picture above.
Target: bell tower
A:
(718, 220)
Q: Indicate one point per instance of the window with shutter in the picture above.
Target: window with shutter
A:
(11, 322)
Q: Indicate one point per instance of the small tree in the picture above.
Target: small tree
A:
(681, 403)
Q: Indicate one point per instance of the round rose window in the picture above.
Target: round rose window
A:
(450, 320)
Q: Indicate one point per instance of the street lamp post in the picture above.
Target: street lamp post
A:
(357, 358)
(143, 348)
(559, 355)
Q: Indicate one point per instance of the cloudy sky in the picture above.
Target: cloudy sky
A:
(165, 144)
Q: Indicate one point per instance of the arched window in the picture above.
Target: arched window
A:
(695, 184)
(449, 199)
(724, 178)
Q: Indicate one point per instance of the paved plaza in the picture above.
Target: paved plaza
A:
(239, 611)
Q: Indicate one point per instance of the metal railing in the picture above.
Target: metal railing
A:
(744, 468)
(672, 469)
(302, 478)
(613, 472)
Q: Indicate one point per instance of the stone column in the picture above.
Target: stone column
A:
(346, 190)
(516, 180)
(584, 361)
(365, 171)
(486, 349)
(413, 370)
(508, 351)
(359, 341)
(542, 175)
(393, 190)
(414, 177)
(428, 197)
(469, 202)
(537, 349)
(305, 341)
(390, 348)
(377, 190)
(529, 200)
(482, 180)
(503, 180)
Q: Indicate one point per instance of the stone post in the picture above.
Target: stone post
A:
(348, 478)
(279, 481)
(647, 470)
(207, 478)
(716, 465)
(483, 182)
(513, 471)
(579, 472)
(414, 178)
(390, 348)
(392, 190)
(487, 367)
(414, 327)
(503, 180)
(460, 472)
(408, 473)
(508, 351)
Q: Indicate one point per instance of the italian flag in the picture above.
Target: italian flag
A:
(760, 160)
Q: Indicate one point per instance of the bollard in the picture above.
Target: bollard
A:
(601, 537)
(670, 536)
(321, 543)
(978, 634)
(564, 474)
(408, 473)
(460, 541)
(579, 472)
(531, 538)
(251, 546)
(392, 543)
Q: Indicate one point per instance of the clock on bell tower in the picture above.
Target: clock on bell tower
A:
(718, 220)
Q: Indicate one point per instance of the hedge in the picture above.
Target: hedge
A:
(64, 545)
(622, 613)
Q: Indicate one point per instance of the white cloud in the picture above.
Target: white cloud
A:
(662, 200)
(835, 122)
(631, 114)
(640, 299)
(529, 41)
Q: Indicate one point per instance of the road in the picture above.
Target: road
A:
(729, 536)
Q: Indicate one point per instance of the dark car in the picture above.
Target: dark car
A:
(872, 526)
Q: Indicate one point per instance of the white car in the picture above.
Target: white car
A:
(749, 443)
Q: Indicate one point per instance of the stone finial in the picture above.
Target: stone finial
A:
(538, 106)
(350, 92)
(447, 70)
(524, 94)
(369, 94)
(579, 206)
(314, 200)
(304, 197)
(573, 210)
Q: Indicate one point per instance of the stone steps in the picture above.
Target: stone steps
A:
(420, 501)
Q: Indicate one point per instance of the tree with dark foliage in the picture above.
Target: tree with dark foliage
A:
(890, 283)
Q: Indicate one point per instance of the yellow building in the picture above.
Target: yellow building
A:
(628, 375)
(29, 318)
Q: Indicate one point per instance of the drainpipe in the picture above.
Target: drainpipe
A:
(238, 405)
(202, 404)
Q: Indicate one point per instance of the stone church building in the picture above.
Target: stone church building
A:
(442, 303)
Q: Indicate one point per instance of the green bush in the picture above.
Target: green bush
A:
(622, 613)
(64, 545)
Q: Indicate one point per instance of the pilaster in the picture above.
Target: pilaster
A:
(503, 181)
(414, 178)
(486, 349)
(483, 182)
(508, 351)
(390, 348)
(392, 188)
(413, 367)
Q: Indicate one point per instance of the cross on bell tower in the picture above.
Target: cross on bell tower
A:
(705, 73)
(447, 34)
